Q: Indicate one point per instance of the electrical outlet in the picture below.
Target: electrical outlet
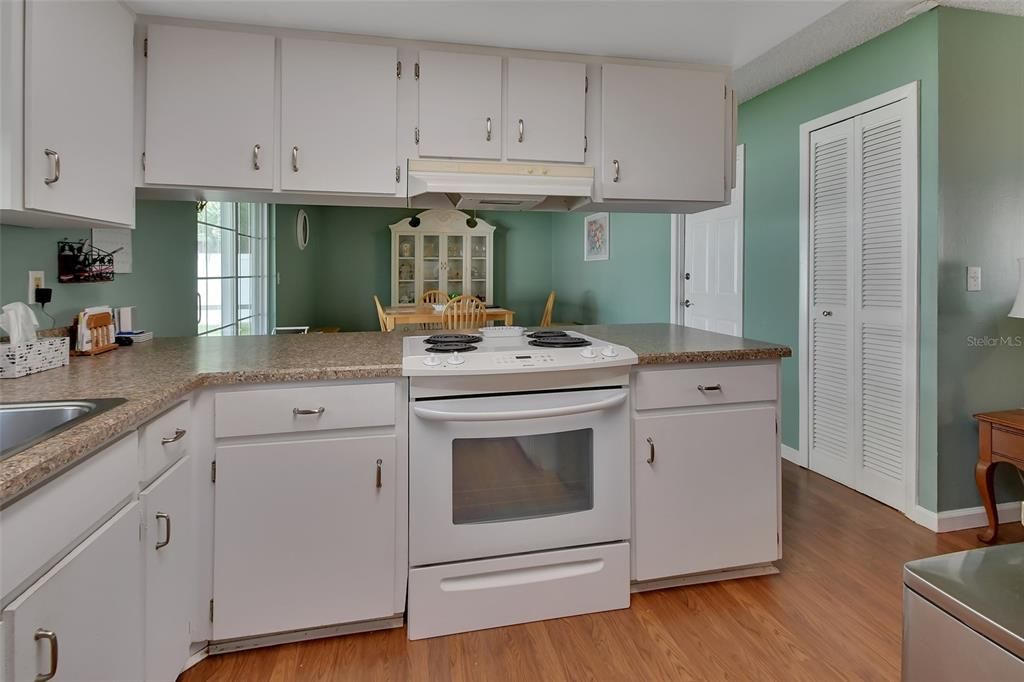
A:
(973, 278)
(36, 280)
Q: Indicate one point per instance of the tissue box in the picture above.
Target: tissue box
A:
(29, 358)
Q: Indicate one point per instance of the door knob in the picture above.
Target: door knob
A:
(686, 276)
(687, 303)
(826, 313)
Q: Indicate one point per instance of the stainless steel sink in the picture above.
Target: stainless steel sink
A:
(22, 425)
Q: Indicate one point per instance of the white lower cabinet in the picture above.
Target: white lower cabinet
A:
(305, 534)
(706, 490)
(169, 541)
(83, 619)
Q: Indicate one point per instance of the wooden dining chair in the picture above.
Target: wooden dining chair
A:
(464, 312)
(433, 297)
(380, 315)
(549, 308)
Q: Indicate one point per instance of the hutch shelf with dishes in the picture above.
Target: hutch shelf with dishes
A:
(441, 249)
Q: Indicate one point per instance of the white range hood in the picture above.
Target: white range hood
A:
(491, 185)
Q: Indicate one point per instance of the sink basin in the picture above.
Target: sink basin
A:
(25, 424)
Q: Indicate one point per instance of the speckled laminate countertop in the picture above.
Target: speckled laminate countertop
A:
(152, 376)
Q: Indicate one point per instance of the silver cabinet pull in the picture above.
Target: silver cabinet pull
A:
(295, 159)
(711, 387)
(380, 466)
(826, 313)
(167, 529)
(51, 637)
(650, 444)
(178, 435)
(56, 166)
(522, 130)
(615, 164)
(488, 128)
(299, 411)
(256, 156)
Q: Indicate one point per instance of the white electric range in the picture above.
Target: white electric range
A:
(519, 465)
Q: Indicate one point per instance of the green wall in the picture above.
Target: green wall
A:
(769, 127)
(162, 285)
(981, 190)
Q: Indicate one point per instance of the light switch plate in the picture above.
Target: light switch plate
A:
(973, 278)
(36, 280)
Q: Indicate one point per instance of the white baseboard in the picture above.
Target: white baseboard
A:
(793, 455)
(960, 519)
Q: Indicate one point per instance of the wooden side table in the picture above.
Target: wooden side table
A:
(1000, 439)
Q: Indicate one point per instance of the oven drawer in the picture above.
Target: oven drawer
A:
(666, 388)
(475, 595)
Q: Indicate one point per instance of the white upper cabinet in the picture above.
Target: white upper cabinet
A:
(546, 110)
(78, 110)
(460, 105)
(338, 117)
(210, 108)
(663, 133)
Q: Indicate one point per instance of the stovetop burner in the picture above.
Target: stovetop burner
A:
(560, 342)
(452, 338)
(548, 334)
(450, 348)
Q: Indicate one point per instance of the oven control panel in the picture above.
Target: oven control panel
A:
(524, 359)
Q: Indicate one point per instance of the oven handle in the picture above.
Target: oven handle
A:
(445, 416)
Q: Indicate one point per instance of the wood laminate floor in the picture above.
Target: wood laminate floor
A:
(834, 612)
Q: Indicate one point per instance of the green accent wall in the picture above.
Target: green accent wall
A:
(981, 205)
(769, 127)
(162, 284)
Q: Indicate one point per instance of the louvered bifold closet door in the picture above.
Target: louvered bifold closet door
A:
(882, 311)
(832, 212)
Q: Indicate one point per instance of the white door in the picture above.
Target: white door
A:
(681, 523)
(78, 105)
(91, 604)
(546, 110)
(338, 117)
(169, 542)
(663, 132)
(460, 105)
(862, 285)
(712, 279)
(209, 108)
(304, 534)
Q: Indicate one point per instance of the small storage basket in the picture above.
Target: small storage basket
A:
(36, 356)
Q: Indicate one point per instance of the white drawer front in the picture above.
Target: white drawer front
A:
(288, 410)
(490, 593)
(164, 441)
(43, 525)
(661, 388)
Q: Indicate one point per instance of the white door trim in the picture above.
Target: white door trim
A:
(909, 92)
(678, 230)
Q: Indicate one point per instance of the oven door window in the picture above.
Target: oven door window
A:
(522, 477)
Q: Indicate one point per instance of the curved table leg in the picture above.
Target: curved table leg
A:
(983, 476)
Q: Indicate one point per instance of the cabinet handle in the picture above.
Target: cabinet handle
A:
(295, 159)
(299, 411)
(178, 435)
(256, 156)
(826, 313)
(167, 528)
(586, 143)
(56, 166)
(522, 130)
(712, 387)
(650, 444)
(51, 637)
(380, 466)
(615, 163)
(687, 303)
(488, 128)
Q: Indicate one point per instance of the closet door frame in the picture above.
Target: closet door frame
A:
(909, 93)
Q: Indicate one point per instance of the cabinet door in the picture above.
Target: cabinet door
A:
(338, 116)
(663, 133)
(304, 534)
(546, 110)
(78, 105)
(209, 108)
(709, 500)
(454, 267)
(169, 542)
(460, 105)
(92, 603)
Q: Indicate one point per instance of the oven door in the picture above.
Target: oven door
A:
(509, 474)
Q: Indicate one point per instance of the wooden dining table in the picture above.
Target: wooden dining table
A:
(424, 313)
